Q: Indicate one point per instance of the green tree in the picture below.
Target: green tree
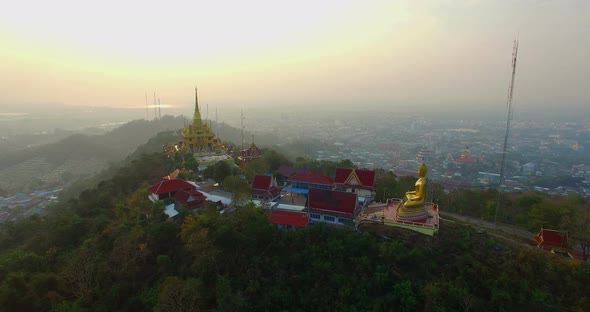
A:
(218, 171)
(178, 295)
(254, 167)
(239, 188)
(274, 159)
(547, 215)
(578, 226)
(385, 186)
(345, 163)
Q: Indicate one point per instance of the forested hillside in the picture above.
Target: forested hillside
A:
(99, 252)
(78, 156)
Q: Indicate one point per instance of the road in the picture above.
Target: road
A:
(507, 228)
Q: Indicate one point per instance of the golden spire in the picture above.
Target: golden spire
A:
(197, 122)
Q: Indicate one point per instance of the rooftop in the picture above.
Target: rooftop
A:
(292, 218)
(311, 177)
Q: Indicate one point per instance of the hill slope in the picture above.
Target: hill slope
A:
(77, 156)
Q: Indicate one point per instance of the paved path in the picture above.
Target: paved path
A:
(507, 228)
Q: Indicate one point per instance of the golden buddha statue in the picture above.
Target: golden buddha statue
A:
(413, 207)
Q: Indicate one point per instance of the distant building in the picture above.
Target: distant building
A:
(424, 156)
(528, 169)
(250, 154)
(466, 158)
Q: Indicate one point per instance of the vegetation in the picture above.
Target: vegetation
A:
(60, 161)
(530, 210)
(101, 252)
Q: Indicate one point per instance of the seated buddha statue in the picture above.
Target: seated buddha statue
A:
(413, 207)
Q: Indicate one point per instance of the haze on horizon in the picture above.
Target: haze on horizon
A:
(441, 55)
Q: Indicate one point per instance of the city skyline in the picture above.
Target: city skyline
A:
(428, 55)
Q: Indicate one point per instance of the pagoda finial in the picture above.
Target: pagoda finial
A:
(196, 100)
(197, 122)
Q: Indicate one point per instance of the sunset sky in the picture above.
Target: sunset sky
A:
(441, 53)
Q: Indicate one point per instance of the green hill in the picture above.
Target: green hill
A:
(77, 156)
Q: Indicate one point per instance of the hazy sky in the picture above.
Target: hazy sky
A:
(440, 54)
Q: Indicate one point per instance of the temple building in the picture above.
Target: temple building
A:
(466, 158)
(332, 206)
(302, 182)
(250, 154)
(167, 188)
(264, 187)
(198, 137)
(552, 240)
(425, 155)
(358, 181)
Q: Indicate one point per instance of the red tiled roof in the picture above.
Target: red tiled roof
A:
(551, 238)
(183, 196)
(288, 218)
(332, 200)
(262, 182)
(311, 177)
(169, 186)
(366, 177)
(288, 171)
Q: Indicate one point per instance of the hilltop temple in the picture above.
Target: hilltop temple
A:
(199, 139)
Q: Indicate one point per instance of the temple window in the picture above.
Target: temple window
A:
(329, 218)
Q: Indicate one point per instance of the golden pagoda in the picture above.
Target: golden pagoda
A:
(198, 137)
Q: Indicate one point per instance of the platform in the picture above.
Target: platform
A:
(386, 213)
